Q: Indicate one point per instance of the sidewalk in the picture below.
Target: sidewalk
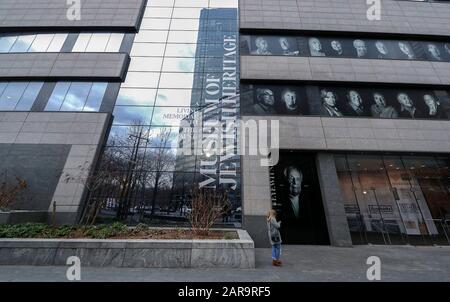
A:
(301, 263)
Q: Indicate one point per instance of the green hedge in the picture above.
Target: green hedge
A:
(39, 230)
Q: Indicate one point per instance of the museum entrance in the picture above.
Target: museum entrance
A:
(297, 199)
(396, 199)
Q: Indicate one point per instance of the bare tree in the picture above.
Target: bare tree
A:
(160, 159)
(93, 180)
(9, 192)
(207, 208)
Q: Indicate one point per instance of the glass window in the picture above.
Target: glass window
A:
(12, 94)
(98, 43)
(41, 43)
(223, 3)
(395, 199)
(185, 24)
(57, 97)
(170, 116)
(151, 36)
(182, 12)
(141, 80)
(23, 43)
(82, 43)
(183, 36)
(181, 50)
(29, 96)
(114, 43)
(95, 97)
(76, 97)
(147, 49)
(136, 97)
(179, 65)
(175, 97)
(132, 115)
(6, 43)
(57, 43)
(177, 80)
(145, 64)
(158, 12)
(158, 24)
(2, 87)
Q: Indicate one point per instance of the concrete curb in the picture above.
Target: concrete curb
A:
(235, 253)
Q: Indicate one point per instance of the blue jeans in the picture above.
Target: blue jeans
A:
(276, 251)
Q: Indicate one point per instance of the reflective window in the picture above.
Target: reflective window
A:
(147, 50)
(81, 43)
(107, 42)
(178, 51)
(57, 43)
(179, 65)
(136, 97)
(171, 116)
(58, 96)
(95, 97)
(183, 37)
(177, 80)
(29, 96)
(41, 43)
(158, 12)
(114, 43)
(153, 36)
(86, 42)
(181, 50)
(6, 43)
(176, 97)
(396, 199)
(23, 43)
(155, 24)
(141, 80)
(11, 94)
(132, 115)
(76, 96)
(98, 43)
(185, 24)
(18, 96)
(146, 64)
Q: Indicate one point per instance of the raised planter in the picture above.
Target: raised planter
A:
(234, 253)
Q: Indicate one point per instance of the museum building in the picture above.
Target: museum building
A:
(117, 93)
(363, 110)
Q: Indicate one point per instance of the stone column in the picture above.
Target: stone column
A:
(333, 201)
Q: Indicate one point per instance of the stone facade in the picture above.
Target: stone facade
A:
(74, 139)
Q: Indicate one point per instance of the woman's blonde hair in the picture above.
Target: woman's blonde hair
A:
(271, 214)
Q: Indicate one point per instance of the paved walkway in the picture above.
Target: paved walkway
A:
(301, 263)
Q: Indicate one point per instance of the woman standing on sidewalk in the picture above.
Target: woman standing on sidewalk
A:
(274, 236)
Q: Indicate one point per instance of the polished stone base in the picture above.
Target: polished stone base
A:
(236, 253)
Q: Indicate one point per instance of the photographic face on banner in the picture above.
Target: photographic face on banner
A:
(345, 47)
(269, 99)
(269, 45)
(298, 200)
(260, 99)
